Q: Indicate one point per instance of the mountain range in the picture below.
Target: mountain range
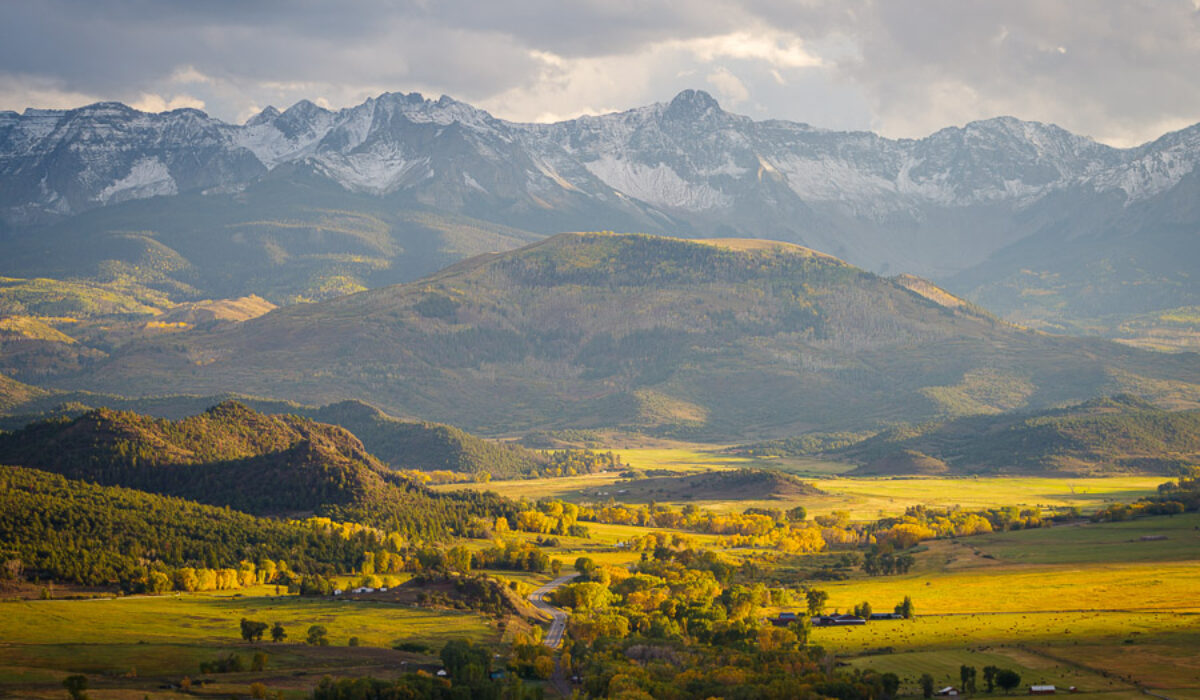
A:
(1041, 225)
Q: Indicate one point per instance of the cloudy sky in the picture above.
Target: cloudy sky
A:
(1120, 72)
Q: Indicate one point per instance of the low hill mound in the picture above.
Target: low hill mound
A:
(235, 310)
(741, 484)
(904, 462)
(400, 444)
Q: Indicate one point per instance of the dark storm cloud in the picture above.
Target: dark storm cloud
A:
(1121, 71)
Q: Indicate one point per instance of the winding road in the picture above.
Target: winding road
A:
(558, 624)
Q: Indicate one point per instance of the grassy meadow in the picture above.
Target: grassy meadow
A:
(134, 644)
(863, 498)
(1086, 605)
(1090, 605)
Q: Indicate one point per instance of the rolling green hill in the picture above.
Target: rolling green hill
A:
(233, 456)
(1107, 436)
(716, 340)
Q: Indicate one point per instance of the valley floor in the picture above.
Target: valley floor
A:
(1089, 605)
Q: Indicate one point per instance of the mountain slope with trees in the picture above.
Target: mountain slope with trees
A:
(428, 446)
(726, 339)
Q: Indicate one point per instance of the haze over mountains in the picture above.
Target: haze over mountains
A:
(1028, 219)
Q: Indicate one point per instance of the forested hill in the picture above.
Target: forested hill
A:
(233, 456)
(70, 530)
(716, 340)
(1106, 436)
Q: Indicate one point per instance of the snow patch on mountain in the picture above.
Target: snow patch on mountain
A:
(827, 179)
(276, 138)
(149, 177)
(684, 160)
(470, 182)
(377, 172)
(1149, 176)
(659, 184)
(1155, 168)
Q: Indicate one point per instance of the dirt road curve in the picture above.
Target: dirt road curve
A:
(559, 624)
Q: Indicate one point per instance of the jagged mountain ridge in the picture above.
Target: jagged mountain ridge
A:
(685, 167)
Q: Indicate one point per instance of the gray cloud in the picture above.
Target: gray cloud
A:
(1119, 71)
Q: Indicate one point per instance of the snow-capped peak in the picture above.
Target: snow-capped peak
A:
(686, 156)
(267, 115)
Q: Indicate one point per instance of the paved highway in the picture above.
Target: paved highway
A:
(559, 624)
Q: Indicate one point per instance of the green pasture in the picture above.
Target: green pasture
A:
(123, 644)
(944, 667)
(566, 488)
(691, 458)
(1165, 663)
(1158, 587)
(867, 499)
(1088, 605)
(1091, 542)
(872, 498)
(213, 620)
(939, 632)
(863, 498)
(1096, 652)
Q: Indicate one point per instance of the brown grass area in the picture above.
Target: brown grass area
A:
(240, 309)
(743, 244)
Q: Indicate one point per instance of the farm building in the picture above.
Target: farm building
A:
(886, 616)
(784, 619)
(947, 692)
(1041, 690)
(837, 620)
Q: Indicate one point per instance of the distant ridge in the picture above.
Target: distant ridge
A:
(397, 443)
(428, 446)
(1102, 437)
